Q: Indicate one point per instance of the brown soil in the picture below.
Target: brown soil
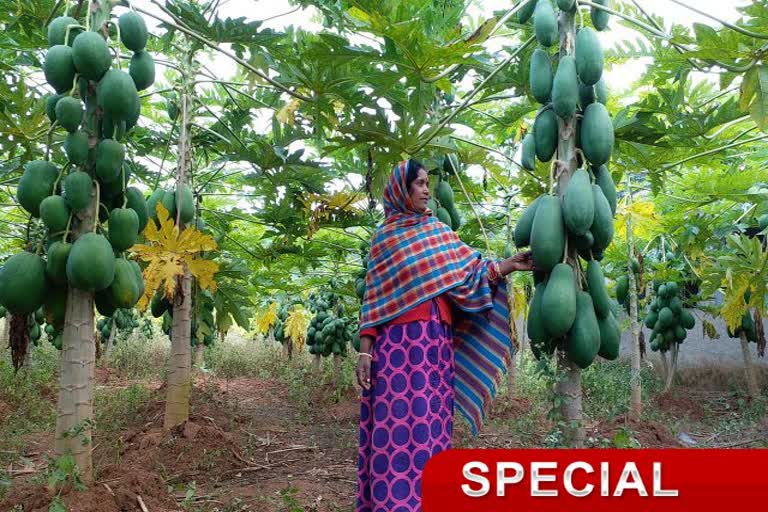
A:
(650, 434)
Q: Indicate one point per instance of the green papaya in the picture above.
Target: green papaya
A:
(56, 266)
(583, 342)
(159, 305)
(545, 134)
(528, 153)
(91, 55)
(602, 224)
(545, 23)
(91, 263)
(50, 106)
(526, 11)
(610, 337)
(762, 221)
(123, 228)
(117, 95)
(597, 289)
(586, 96)
(444, 194)
(558, 304)
(540, 75)
(597, 136)
(680, 333)
(548, 234)
(604, 180)
(55, 307)
(69, 113)
(154, 199)
(455, 218)
(508, 251)
(432, 205)
(444, 217)
(579, 203)
(133, 31)
(142, 70)
(124, 290)
(36, 184)
(109, 160)
(599, 16)
(54, 213)
(59, 68)
(622, 289)
(666, 318)
(76, 147)
(57, 31)
(522, 234)
(78, 187)
(650, 319)
(601, 91)
(566, 5)
(584, 245)
(676, 305)
(589, 56)
(169, 203)
(672, 289)
(565, 88)
(136, 202)
(104, 305)
(535, 323)
(23, 283)
(187, 204)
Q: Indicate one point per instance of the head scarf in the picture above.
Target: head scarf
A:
(413, 258)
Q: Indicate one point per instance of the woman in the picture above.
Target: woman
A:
(418, 271)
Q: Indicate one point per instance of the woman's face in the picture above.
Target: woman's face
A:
(420, 191)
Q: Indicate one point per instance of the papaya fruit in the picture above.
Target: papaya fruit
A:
(582, 343)
(528, 153)
(455, 218)
(597, 289)
(109, 160)
(666, 318)
(545, 23)
(123, 228)
(535, 322)
(69, 113)
(54, 213)
(508, 250)
(55, 307)
(36, 183)
(444, 217)
(762, 221)
(599, 17)
(672, 290)
(676, 305)
(188, 204)
(602, 224)
(566, 5)
(522, 234)
(50, 106)
(117, 95)
(444, 194)
(526, 11)
(548, 234)
(91, 263)
(59, 68)
(680, 333)
(57, 31)
(650, 319)
(76, 147)
(601, 91)
(687, 319)
(540, 75)
(56, 266)
(579, 203)
(565, 88)
(159, 305)
(622, 289)
(597, 134)
(558, 304)
(137, 203)
(114, 190)
(169, 203)
(154, 198)
(589, 56)
(142, 70)
(584, 245)
(104, 305)
(23, 283)
(545, 134)
(139, 276)
(78, 187)
(124, 290)
(610, 337)
(91, 56)
(133, 31)
(604, 180)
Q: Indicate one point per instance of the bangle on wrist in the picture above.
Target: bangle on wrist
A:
(365, 354)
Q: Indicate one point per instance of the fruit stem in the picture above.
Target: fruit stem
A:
(98, 192)
(69, 224)
(88, 16)
(61, 173)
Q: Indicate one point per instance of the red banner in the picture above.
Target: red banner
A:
(594, 480)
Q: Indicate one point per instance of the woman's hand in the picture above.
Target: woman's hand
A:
(522, 261)
(363, 370)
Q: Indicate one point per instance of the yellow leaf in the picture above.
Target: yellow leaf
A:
(267, 319)
(296, 326)
(645, 221)
(287, 114)
(359, 14)
(204, 271)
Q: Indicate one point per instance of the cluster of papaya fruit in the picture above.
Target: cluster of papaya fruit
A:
(123, 320)
(747, 325)
(361, 275)
(570, 308)
(622, 285)
(442, 204)
(329, 332)
(282, 316)
(96, 104)
(666, 316)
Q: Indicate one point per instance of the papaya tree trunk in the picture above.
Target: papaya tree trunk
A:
(749, 368)
(180, 361)
(337, 361)
(110, 342)
(674, 350)
(569, 381)
(317, 362)
(6, 329)
(635, 379)
(199, 355)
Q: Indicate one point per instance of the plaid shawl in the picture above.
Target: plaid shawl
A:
(413, 258)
